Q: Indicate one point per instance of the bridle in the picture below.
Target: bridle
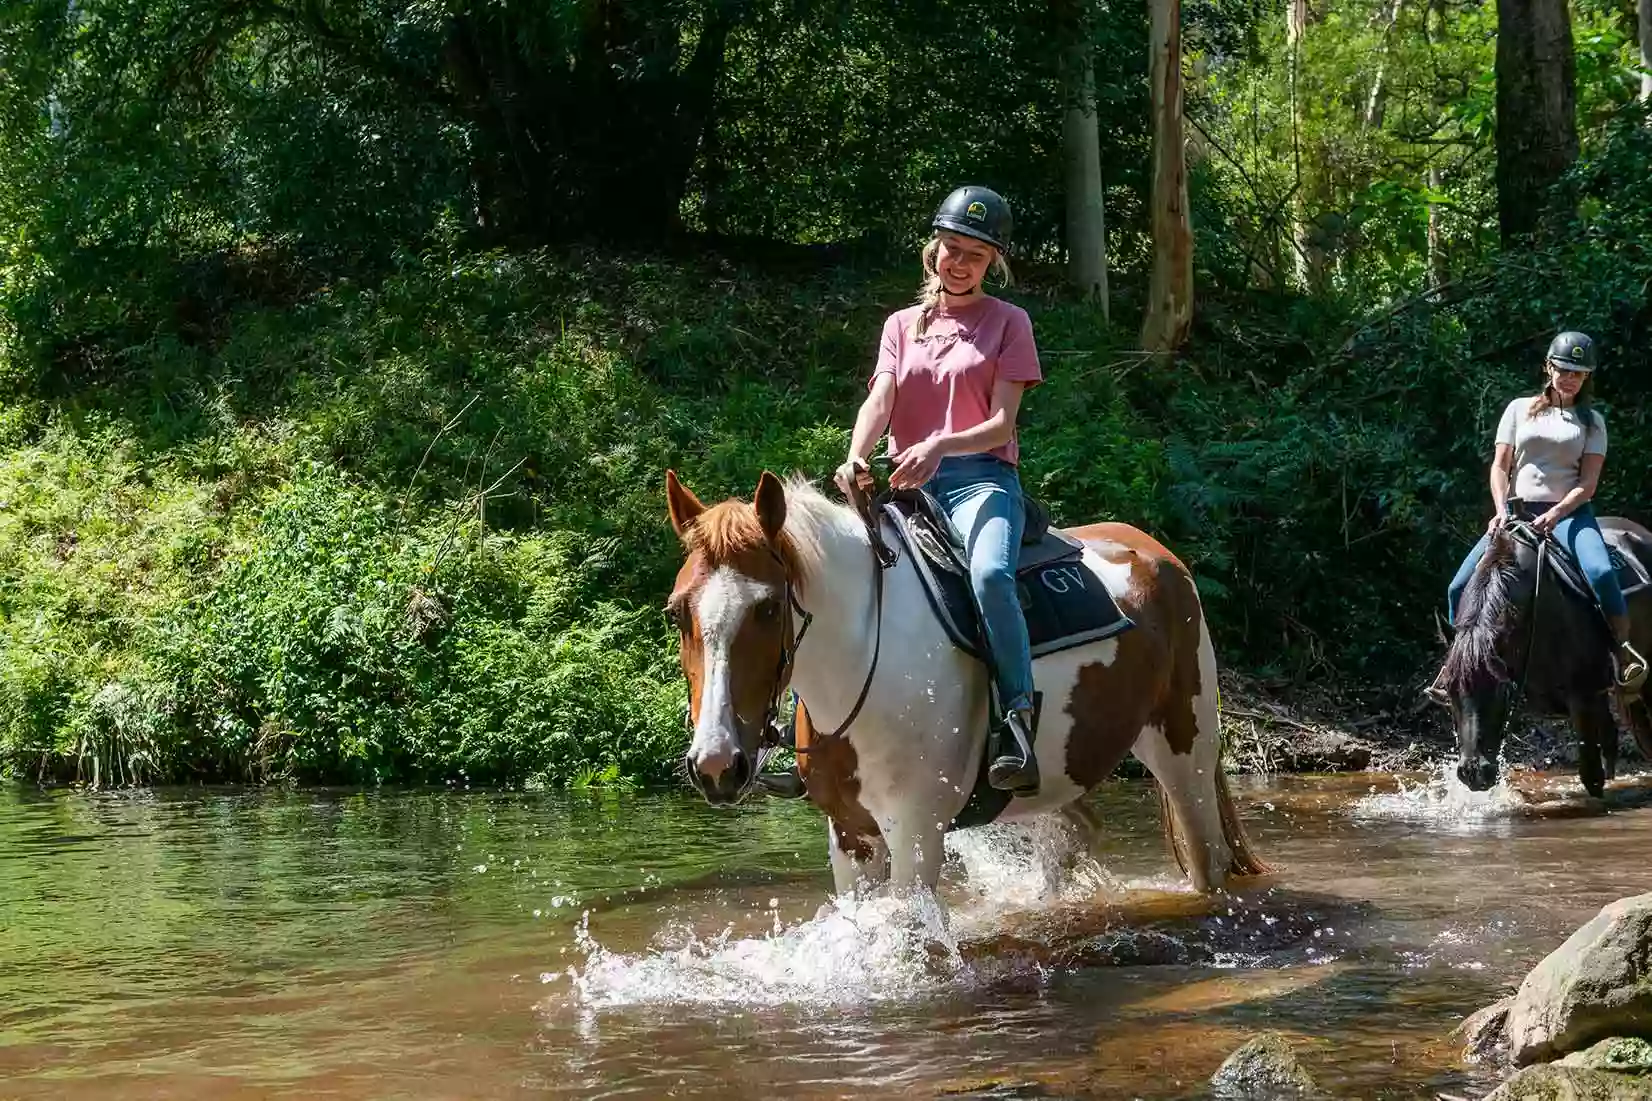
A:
(1522, 531)
(773, 736)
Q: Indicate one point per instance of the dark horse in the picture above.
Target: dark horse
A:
(1524, 636)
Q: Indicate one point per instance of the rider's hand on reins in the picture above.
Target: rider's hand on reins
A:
(918, 464)
(853, 472)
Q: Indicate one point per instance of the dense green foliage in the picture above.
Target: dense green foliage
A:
(328, 450)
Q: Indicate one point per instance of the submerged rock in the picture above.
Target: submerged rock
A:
(1265, 1067)
(1624, 1054)
(1326, 751)
(1596, 985)
(1484, 1035)
(1557, 1083)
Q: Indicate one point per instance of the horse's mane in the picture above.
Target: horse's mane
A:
(726, 531)
(812, 521)
(1483, 613)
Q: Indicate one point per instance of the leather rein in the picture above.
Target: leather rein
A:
(773, 737)
(1523, 531)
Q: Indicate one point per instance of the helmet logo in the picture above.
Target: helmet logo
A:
(1577, 351)
(976, 211)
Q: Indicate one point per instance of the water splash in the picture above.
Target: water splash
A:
(1037, 864)
(851, 952)
(1442, 799)
(1025, 865)
(868, 950)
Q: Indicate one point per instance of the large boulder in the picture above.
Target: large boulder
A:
(1554, 1082)
(1595, 986)
(1265, 1067)
(1485, 1036)
(1626, 1055)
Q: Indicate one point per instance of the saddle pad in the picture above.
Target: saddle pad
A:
(1064, 602)
(1632, 577)
(1571, 574)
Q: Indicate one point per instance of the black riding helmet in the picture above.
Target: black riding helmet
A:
(1573, 351)
(977, 212)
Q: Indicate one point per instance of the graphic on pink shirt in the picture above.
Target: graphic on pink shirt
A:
(944, 378)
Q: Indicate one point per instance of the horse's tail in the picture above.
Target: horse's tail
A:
(1245, 861)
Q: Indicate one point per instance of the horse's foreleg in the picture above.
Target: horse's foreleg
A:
(856, 861)
(1598, 737)
(916, 849)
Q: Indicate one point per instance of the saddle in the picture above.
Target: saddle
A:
(1065, 603)
(1632, 572)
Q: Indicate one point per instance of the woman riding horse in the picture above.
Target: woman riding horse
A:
(1554, 446)
(948, 383)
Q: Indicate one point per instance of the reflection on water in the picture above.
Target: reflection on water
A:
(227, 944)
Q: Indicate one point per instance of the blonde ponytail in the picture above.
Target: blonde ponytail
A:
(931, 290)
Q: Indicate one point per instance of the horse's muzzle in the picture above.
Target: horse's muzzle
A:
(725, 784)
(1477, 773)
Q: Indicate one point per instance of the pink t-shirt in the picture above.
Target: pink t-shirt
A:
(944, 378)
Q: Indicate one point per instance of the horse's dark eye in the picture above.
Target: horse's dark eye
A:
(769, 610)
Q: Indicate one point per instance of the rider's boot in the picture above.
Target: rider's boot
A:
(1014, 768)
(1631, 667)
(1437, 691)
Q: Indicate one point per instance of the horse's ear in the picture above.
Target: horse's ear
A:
(771, 505)
(685, 508)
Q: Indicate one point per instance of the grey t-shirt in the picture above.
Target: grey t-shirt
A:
(1549, 448)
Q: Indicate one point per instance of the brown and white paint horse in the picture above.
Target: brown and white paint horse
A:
(893, 780)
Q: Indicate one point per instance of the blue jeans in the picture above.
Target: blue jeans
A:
(1578, 533)
(982, 496)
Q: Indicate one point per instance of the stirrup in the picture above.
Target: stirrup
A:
(1436, 692)
(1014, 769)
(1630, 667)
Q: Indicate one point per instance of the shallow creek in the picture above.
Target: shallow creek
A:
(189, 943)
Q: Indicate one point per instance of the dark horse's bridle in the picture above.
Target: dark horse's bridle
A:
(1523, 531)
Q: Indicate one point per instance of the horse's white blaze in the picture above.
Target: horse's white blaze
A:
(723, 604)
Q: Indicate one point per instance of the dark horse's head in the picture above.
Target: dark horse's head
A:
(1519, 641)
(1486, 658)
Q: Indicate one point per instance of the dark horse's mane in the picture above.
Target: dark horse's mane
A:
(1482, 615)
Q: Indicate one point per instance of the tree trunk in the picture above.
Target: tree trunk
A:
(588, 148)
(1309, 258)
(1645, 10)
(1377, 102)
(1170, 292)
(1438, 273)
(1086, 210)
(1536, 109)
